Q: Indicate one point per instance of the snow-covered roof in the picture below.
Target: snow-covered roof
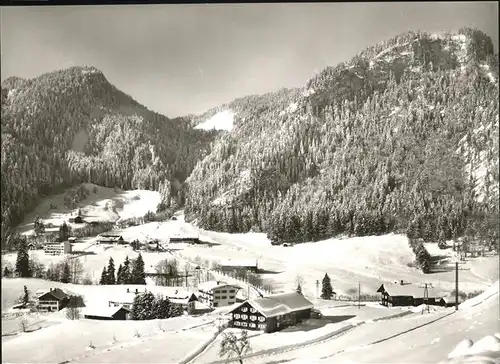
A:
(109, 237)
(40, 292)
(182, 300)
(124, 297)
(210, 285)
(128, 297)
(451, 299)
(412, 290)
(279, 304)
(56, 293)
(102, 311)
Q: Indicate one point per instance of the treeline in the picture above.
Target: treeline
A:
(46, 120)
(376, 162)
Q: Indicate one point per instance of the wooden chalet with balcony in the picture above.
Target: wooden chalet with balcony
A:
(272, 313)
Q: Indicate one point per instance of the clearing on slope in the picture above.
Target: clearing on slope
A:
(100, 204)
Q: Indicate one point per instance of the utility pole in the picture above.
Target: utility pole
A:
(317, 288)
(426, 297)
(456, 286)
(186, 279)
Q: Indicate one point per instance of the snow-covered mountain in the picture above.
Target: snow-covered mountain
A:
(405, 131)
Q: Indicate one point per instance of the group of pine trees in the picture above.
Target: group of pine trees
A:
(148, 307)
(376, 147)
(130, 272)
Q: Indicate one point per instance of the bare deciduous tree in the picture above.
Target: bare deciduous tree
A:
(166, 266)
(299, 283)
(73, 313)
(233, 346)
(23, 324)
(75, 268)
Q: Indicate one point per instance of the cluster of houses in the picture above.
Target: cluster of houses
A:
(54, 248)
(270, 314)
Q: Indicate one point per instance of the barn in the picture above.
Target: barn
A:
(272, 313)
(449, 301)
(107, 313)
(184, 239)
(407, 294)
(110, 239)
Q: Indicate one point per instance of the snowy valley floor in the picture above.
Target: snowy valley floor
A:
(363, 336)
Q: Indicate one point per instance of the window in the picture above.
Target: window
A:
(253, 317)
(244, 324)
(236, 315)
(223, 291)
(216, 304)
(244, 317)
(262, 318)
(236, 323)
(231, 291)
(252, 310)
(252, 325)
(230, 303)
(244, 309)
(231, 297)
(262, 326)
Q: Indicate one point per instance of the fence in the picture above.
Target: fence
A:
(364, 298)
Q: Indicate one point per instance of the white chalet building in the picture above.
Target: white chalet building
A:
(217, 294)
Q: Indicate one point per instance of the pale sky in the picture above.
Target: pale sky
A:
(181, 59)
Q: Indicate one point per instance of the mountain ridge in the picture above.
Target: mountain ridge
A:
(414, 86)
(120, 142)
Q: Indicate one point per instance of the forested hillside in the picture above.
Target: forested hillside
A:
(248, 106)
(403, 137)
(73, 126)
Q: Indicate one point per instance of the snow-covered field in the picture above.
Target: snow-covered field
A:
(105, 205)
(70, 340)
(368, 260)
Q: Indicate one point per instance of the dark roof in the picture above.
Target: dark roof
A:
(56, 293)
(279, 304)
